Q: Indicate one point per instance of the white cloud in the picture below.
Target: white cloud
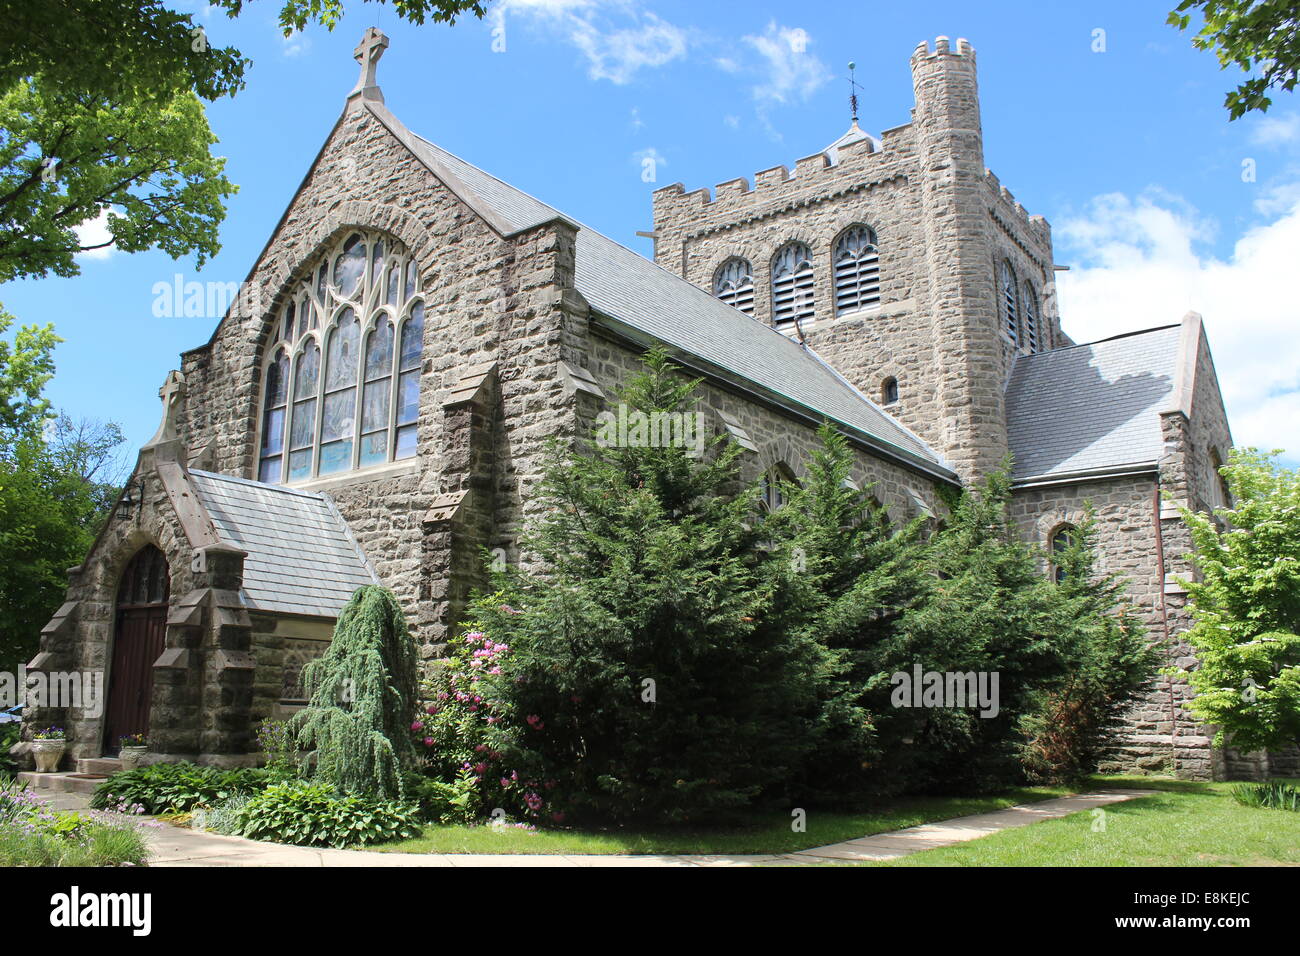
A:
(1276, 130)
(94, 232)
(788, 73)
(1142, 262)
(294, 45)
(616, 38)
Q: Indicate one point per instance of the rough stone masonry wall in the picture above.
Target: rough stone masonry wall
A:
(1159, 734)
(779, 438)
(943, 223)
(488, 299)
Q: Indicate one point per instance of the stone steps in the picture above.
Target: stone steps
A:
(99, 765)
(63, 782)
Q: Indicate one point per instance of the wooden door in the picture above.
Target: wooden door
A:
(138, 639)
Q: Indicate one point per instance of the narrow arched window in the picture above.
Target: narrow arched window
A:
(857, 270)
(889, 391)
(271, 460)
(775, 483)
(792, 285)
(1062, 540)
(342, 389)
(1030, 300)
(1220, 494)
(733, 283)
(1010, 301)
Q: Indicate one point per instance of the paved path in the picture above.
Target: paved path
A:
(174, 846)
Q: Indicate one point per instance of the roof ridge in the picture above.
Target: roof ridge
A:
(1109, 338)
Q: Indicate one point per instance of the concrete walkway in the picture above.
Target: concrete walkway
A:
(175, 846)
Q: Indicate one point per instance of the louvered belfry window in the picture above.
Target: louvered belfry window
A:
(857, 270)
(1031, 318)
(792, 285)
(341, 384)
(734, 284)
(1010, 304)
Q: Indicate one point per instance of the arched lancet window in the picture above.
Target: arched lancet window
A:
(792, 285)
(350, 328)
(275, 409)
(733, 283)
(1220, 494)
(889, 391)
(1010, 302)
(1030, 299)
(1061, 540)
(857, 270)
(774, 485)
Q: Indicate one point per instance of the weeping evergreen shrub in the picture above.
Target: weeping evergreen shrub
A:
(362, 698)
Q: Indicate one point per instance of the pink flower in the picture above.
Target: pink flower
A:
(534, 801)
(433, 708)
(417, 727)
(428, 741)
(480, 768)
(535, 722)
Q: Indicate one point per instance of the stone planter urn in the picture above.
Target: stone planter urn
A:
(48, 753)
(131, 756)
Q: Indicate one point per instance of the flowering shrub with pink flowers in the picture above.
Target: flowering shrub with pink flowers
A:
(474, 746)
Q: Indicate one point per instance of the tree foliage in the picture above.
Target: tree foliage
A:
(361, 698)
(638, 673)
(297, 14)
(1110, 662)
(66, 158)
(1255, 35)
(119, 51)
(1247, 606)
(58, 478)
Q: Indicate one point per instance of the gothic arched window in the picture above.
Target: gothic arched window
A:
(857, 270)
(792, 285)
(776, 481)
(1030, 300)
(1010, 302)
(334, 356)
(1062, 539)
(733, 283)
(889, 391)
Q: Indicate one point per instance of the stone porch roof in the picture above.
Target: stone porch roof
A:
(301, 555)
(1093, 409)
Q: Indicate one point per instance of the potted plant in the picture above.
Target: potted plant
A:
(47, 747)
(131, 749)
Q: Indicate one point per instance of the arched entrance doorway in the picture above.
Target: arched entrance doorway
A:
(140, 631)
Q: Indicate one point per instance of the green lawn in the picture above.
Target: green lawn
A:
(761, 833)
(1186, 824)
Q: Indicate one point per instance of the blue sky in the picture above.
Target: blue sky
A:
(1126, 149)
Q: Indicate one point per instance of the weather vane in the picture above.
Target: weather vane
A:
(854, 86)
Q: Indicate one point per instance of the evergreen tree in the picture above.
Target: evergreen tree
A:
(989, 610)
(362, 698)
(1110, 662)
(638, 673)
(847, 579)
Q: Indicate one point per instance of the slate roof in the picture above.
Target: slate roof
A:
(648, 300)
(1092, 408)
(302, 558)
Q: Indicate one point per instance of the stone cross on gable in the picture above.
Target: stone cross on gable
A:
(368, 53)
(172, 394)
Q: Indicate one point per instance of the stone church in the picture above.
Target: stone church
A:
(422, 329)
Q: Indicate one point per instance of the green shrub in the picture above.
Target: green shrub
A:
(1275, 795)
(9, 734)
(222, 818)
(175, 787)
(31, 834)
(315, 814)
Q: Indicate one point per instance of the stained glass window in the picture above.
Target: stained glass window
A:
(348, 330)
